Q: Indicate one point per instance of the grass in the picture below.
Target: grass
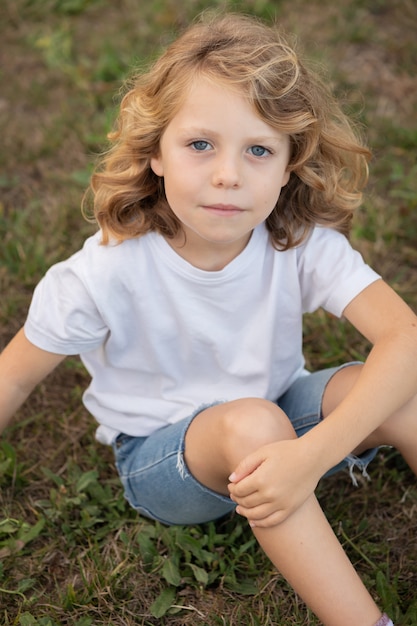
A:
(71, 550)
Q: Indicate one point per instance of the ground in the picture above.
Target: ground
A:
(71, 552)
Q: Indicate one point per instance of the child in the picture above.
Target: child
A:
(223, 204)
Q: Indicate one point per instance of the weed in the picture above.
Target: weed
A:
(72, 552)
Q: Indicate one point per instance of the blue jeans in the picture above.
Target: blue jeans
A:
(159, 485)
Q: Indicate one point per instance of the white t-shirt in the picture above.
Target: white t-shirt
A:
(161, 337)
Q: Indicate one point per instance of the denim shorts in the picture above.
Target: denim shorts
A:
(158, 484)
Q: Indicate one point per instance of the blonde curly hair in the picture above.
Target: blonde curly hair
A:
(328, 161)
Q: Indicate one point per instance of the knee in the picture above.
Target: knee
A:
(253, 422)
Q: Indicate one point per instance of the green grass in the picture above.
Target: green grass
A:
(71, 550)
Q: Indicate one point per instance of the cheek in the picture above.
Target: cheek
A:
(179, 181)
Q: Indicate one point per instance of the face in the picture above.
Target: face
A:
(223, 170)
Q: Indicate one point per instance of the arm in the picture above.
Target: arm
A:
(22, 367)
(388, 379)
(387, 382)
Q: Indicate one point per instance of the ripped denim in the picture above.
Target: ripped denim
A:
(159, 485)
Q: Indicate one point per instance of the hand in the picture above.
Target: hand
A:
(271, 483)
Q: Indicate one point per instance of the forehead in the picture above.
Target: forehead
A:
(209, 102)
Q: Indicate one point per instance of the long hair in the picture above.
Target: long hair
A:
(328, 161)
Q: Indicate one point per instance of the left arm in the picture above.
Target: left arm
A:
(387, 381)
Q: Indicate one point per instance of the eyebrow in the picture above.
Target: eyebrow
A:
(255, 139)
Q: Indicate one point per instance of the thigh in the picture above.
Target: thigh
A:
(303, 401)
(158, 483)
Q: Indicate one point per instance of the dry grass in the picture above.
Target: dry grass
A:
(71, 552)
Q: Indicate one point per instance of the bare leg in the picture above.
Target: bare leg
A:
(315, 565)
(303, 548)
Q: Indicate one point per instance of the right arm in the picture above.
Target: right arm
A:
(22, 367)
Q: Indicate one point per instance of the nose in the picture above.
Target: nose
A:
(227, 171)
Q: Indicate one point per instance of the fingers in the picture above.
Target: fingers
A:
(248, 502)
(241, 490)
(246, 467)
(263, 507)
(254, 500)
(250, 494)
(258, 508)
(263, 516)
(243, 486)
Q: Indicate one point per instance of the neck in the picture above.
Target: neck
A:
(206, 255)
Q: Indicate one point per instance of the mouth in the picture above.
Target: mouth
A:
(223, 209)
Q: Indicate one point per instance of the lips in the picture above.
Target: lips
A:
(223, 209)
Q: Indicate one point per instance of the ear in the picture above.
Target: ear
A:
(156, 165)
(285, 178)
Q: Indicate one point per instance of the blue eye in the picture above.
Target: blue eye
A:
(259, 151)
(200, 145)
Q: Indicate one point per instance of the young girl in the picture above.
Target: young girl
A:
(223, 204)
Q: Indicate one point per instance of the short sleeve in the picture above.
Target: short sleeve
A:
(331, 272)
(63, 317)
